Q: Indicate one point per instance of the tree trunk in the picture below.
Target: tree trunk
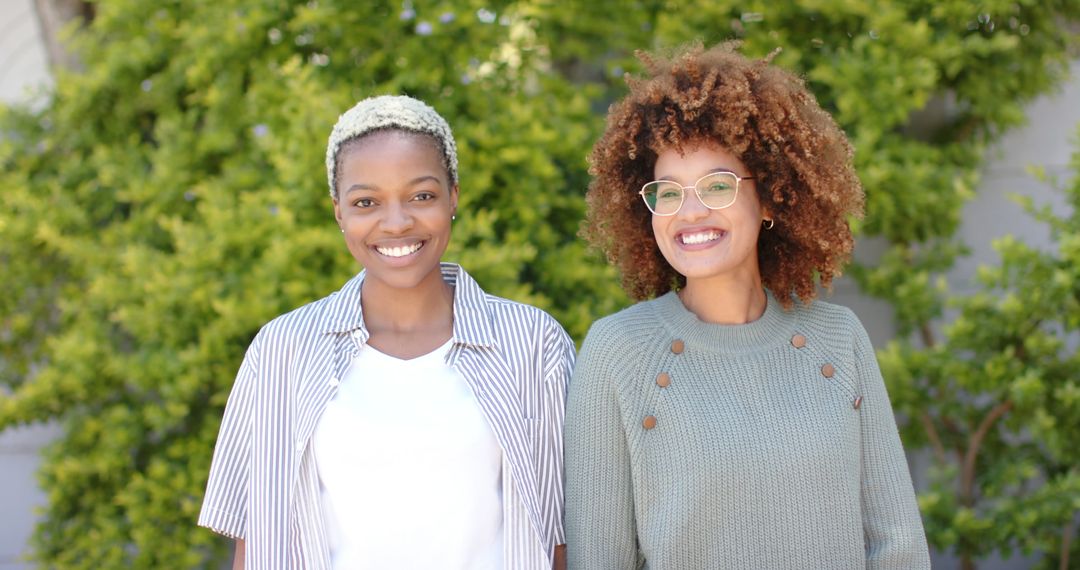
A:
(54, 16)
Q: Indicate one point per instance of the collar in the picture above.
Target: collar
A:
(774, 326)
(472, 318)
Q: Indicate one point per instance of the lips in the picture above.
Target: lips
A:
(699, 237)
(399, 250)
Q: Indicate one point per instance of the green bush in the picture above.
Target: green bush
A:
(1001, 395)
(170, 198)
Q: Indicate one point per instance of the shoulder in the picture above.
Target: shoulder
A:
(838, 331)
(622, 334)
(503, 307)
(298, 325)
(639, 319)
(513, 318)
(830, 320)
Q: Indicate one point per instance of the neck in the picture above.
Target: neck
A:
(427, 306)
(725, 299)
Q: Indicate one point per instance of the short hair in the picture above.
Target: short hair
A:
(800, 160)
(394, 113)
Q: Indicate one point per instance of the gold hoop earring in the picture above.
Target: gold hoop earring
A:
(768, 224)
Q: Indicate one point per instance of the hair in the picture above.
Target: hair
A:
(800, 160)
(389, 113)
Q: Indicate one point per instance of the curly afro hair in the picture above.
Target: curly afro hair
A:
(799, 157)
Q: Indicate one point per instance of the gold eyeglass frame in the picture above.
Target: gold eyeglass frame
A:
(694, 186)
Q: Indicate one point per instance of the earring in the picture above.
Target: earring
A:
(342, 230)
(453, 217)
(768, 224)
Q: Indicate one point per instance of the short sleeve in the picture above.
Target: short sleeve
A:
(224, 508)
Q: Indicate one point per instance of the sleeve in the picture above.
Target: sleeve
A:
(891, 522)
(224, 507)
(600, 524)
(558, 363)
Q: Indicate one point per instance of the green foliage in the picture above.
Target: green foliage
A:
(1002, 390)
(170, 198)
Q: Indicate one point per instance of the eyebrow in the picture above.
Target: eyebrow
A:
(710, 171)
(413, 182)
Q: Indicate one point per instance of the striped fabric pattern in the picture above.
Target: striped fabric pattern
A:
(263, 485)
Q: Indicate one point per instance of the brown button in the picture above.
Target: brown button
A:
(677, 346)
(828, 370)
(663, 380)
(858, 402)
(649, 422)
(798, 341)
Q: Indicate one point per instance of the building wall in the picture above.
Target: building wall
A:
(1045, 141)
(23, 71)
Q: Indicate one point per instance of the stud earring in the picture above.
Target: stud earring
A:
(768, 224)
(453, 217)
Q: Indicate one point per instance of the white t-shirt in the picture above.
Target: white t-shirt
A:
(409, 468)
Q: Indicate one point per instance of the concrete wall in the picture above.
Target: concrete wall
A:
(1045, 142)
(23, 69)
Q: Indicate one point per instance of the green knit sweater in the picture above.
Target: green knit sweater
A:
(766, 445)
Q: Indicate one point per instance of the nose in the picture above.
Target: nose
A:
(692, 207)
(397, 218)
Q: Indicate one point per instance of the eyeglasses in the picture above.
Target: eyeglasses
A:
(716, 191)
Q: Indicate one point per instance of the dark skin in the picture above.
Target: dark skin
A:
(395, 205)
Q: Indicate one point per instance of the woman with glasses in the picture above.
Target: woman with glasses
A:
(729, 420)
(409, 420)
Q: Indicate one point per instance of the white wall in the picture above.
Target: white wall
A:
(23, 68)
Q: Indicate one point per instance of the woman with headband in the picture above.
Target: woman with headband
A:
(408, 420)
(731, 421)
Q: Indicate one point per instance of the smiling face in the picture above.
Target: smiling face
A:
(394, 203)
(703, 244)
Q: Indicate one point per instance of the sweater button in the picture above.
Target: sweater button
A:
(858, 402)
(649, 422)
(677, 346)
(798, 341)
(663, 380)
(828, 370)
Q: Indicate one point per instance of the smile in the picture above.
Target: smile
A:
(401, 250)
(700, 237)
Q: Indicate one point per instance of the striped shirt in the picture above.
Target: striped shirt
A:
(264, 486)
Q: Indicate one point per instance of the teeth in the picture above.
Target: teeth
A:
(691, 239)
(400, 251)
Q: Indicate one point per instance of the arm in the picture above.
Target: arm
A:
(600, 525)
(559, 558)
(238, 557)
(891, 523)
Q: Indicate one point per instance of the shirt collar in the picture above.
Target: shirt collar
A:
(472, 318)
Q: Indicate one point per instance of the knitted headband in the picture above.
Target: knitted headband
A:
(390, 112)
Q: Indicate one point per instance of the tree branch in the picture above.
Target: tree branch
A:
(927, 335)
(932, 435)
(967, 473)
(1066, 542)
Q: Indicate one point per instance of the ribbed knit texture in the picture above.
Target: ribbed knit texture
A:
(758, 458)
